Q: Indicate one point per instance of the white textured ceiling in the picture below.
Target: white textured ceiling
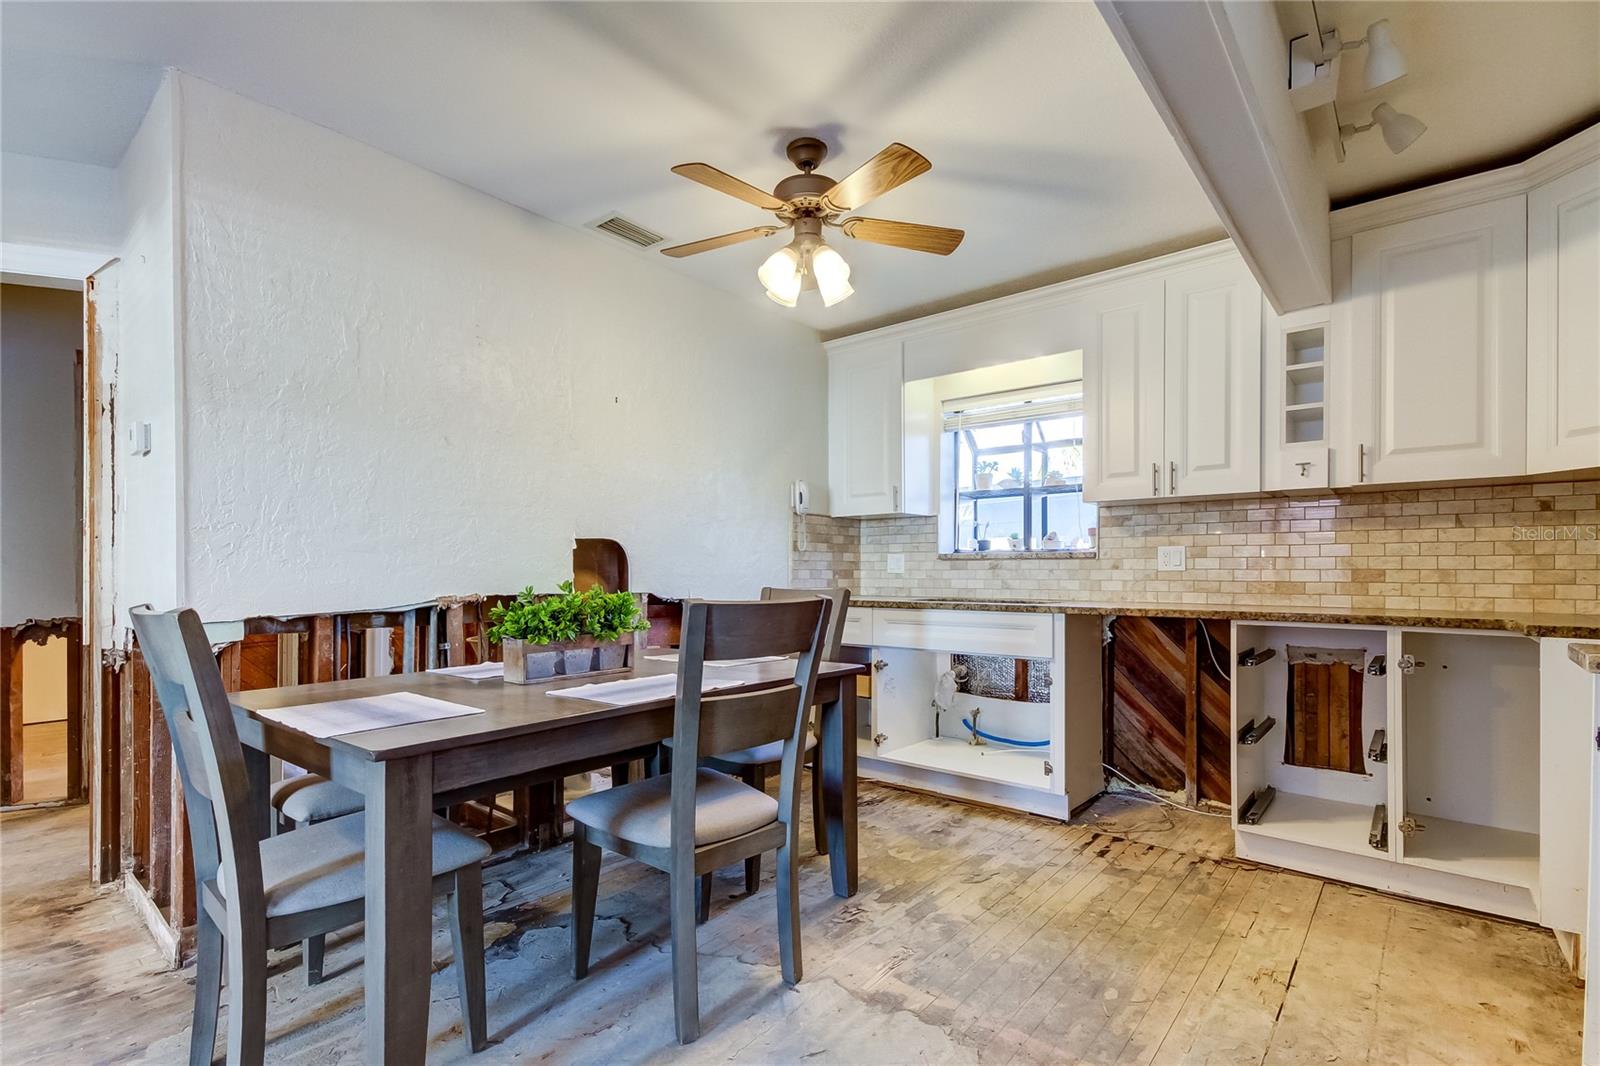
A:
(1044, 147)
(1493, 81)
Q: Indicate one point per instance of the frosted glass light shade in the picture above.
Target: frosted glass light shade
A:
(1385, 63)
(780, 276)
(832, 274)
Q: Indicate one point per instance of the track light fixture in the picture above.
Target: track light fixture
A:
(1314, 63)
(1399, 129)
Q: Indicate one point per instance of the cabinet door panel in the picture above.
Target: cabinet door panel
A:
(1564, 322)
(864, 431)
(1213, 380)
(1439, 347)
(1122, 384)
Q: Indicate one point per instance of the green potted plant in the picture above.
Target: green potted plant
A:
(567, 632)
(1013, 478)
(1054, 477)
(985, 474)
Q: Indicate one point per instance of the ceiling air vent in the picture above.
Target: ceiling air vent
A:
(631, 232)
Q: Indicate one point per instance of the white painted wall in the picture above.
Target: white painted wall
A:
(144, 362)
(395, 387)
(54, 203)
(40, 330)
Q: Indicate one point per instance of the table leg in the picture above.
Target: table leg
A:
(839, 785)
(399, 794)
(258, 772)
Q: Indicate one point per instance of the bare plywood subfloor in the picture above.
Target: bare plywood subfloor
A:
(977, 935)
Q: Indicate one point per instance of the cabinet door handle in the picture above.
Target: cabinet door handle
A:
(1172, 478)
(1361, 462)
(897, 497)
(1155, 479)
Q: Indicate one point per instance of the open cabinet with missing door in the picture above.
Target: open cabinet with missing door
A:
(1446, 803)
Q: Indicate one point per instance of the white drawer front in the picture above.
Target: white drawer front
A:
(858, 626)
(974, 632)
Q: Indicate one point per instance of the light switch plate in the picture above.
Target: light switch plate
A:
(1171, 557)
(896, 563)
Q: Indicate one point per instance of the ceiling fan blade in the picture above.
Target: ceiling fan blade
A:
(912, 235)
(722, 182)
(889, 169)
(678, 251)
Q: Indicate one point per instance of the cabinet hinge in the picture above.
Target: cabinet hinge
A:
(1408, 664)
(1048, 769)
(879, 738)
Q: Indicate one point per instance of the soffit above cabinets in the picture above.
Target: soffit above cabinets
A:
(1045, 149)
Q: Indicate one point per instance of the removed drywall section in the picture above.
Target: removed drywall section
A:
(397, 387)
(41, 331)
(142, 361)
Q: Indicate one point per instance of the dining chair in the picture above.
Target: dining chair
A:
(694, 820)
(255, 894)
(753, 765)
(306, 799)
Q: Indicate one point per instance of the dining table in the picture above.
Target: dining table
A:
(523, 735)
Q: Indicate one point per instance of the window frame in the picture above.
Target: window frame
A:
(1035, 448)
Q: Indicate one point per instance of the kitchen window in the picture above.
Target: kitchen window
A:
(1015, 473)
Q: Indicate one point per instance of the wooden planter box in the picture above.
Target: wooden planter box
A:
(530, 663)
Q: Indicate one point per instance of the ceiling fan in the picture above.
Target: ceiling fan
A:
(808, 201)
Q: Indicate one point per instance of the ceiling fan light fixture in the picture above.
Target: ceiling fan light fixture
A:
(780, 275)
(832, 274)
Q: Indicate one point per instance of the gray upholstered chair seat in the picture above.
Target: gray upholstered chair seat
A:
(641, 812)
(324, 864)
(313, 798)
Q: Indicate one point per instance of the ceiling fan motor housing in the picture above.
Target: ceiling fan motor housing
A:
(806, 153)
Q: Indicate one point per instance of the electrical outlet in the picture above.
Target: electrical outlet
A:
(1171, 557)
(896, 563)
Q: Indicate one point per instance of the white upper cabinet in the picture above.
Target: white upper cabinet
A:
(1564, 322)
(1123, 367)
(865, 427)
(1213, 380)
(1438, 352)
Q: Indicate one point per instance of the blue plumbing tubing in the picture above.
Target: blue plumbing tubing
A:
(1006, 740)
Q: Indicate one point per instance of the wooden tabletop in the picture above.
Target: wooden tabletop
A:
(509, 709)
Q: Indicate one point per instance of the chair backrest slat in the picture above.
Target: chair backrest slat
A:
(205, 743)
(740, 630)
(839, 597)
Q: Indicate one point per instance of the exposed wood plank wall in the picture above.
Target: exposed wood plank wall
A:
(13, 641)
(1167, 720)
(11, 728)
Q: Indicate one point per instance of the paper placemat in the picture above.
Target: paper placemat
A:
(474, 672)
(639, 689)
(338, 717)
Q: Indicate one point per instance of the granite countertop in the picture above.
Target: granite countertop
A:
(1586, 656)
(1576, 626)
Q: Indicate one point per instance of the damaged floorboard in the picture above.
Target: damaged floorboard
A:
(977, 936)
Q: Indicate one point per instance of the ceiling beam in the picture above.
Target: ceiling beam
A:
(1218, 74)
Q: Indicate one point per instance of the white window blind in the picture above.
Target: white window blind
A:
(998, 408)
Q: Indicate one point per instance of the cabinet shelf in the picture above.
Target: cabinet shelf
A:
(987, 762)
(1301, 370)
(1485, 852)
(1322, 823)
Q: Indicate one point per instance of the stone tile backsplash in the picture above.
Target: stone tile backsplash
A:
(1501, 548)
